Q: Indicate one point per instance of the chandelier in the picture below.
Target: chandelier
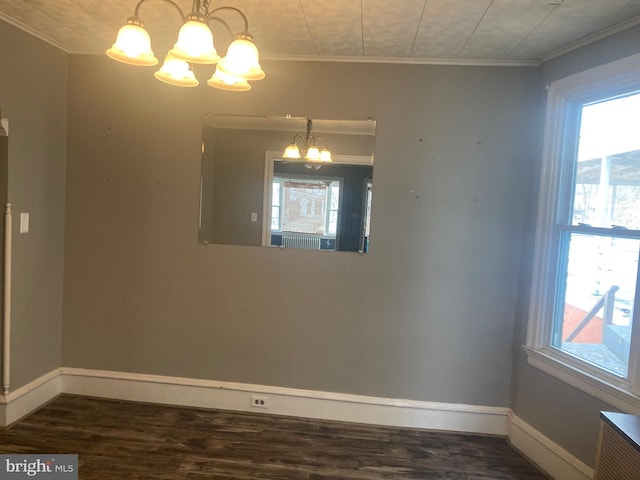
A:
(194, 46)
(308, 148)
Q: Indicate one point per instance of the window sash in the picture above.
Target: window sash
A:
(331, 212)
(276, 207)
(567, 184)
(559, 301)
(565, 98)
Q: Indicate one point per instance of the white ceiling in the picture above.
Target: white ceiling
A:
(411, 31)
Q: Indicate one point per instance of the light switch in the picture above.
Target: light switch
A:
(24, 223)
(254, 216)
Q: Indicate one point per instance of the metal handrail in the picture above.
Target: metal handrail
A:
(605, 301)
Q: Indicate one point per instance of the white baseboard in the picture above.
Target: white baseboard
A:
(286, 401)
(556, 461)
(29, 397)
(545, 453)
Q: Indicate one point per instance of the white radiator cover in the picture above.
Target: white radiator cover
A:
(619, 455)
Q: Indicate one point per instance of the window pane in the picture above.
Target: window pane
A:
(275, 199)
(335, 196)
(334, 204)
(607, 181)
(304, 206)
(333, 222)
(599, 294)
(275, 218)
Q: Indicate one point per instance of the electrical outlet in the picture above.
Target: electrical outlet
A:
(259, 402)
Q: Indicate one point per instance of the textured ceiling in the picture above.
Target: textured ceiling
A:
(412, 31)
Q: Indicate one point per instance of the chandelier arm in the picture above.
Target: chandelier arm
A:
(219, 20)
(246, 22)
(293, 140)
(167, 1)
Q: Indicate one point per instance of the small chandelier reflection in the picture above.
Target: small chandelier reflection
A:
(3, 131)
(306, 147)
(194, 46)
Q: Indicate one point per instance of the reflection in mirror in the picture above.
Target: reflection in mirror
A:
(4, 159)
(252, 196)
(322, 208)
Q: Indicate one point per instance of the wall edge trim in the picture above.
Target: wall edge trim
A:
(544, 452)
(30, 397)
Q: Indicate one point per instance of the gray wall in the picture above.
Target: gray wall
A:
(564, 414)
(33, 83)
(429, 314)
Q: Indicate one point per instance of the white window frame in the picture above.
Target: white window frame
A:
(330, 183)
(269, 158)
(330, 193)
(279, 206)
(580, 88)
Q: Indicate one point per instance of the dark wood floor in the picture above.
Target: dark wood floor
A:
(121, 440)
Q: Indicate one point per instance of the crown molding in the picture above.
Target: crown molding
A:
(633, 22)
(405, 60)
(33, 32)
(589, 39)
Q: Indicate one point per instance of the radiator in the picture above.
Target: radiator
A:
(619, 453)
(293, 240)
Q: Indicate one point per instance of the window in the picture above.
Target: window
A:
(583, 327)
(304, 205)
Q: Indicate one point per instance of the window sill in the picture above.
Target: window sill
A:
(572, 371)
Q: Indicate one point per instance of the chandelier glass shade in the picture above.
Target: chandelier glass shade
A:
(225, 81)
(195, 42)
(309, 151)
(194, 46)
(133, 45)
(242, 59)
(175, 71)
